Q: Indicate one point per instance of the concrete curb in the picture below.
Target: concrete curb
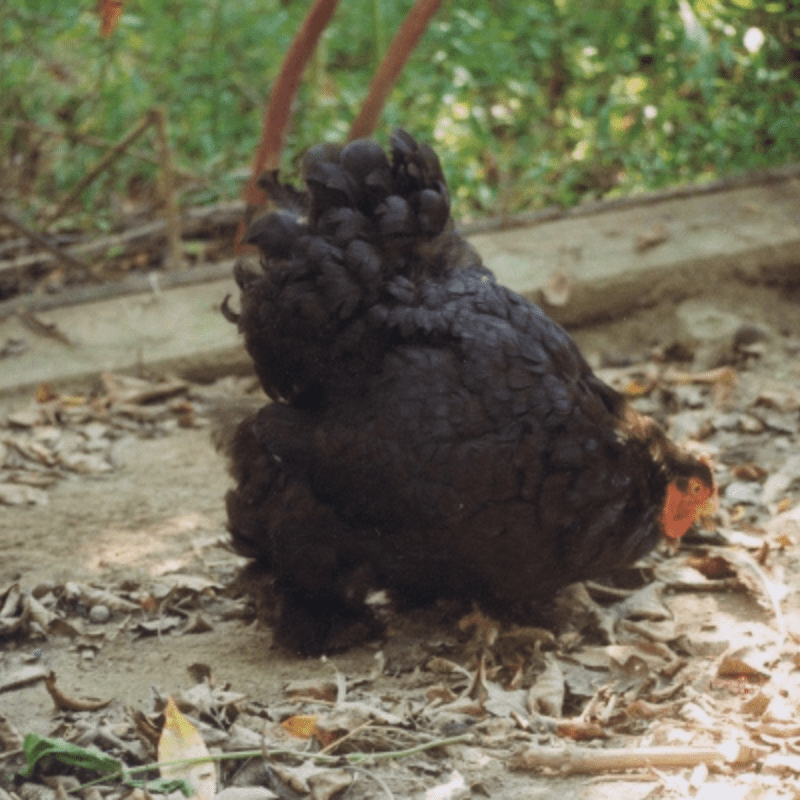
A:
(615, 261)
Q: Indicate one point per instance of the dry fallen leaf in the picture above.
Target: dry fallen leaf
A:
(440, 694)
(455, 788)
(779, 482)
(10, 738)
(91, 595)
(546, 695)
(749, 472)
(580, 730)
(14, 494)
(641, 709)
(328, 783)
(756, 705)
(314, 689)
(180, 740)
(301, 725)
(320, 782)
(781, 764)
(711, 566)
(743, 663)
(784, 527)
(66, 703)
(504, 703)
(145, 728)
(783, 398)
(24, 676)
(783, 505)
(636, 388)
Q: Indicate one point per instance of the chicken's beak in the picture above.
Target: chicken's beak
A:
(707, 509)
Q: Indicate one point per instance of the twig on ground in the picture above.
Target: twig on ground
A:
(42, 241)
(588, 760)
(48, 329)
(65, 703)
(342, 739)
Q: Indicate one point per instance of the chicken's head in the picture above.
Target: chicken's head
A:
(688, 500)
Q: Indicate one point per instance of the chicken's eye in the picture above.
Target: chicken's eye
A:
(695, 487)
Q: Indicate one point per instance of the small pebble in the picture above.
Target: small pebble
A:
(99, 613)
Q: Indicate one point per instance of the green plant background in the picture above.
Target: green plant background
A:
(529, 104)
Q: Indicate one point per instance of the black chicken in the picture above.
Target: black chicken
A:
(431, 433)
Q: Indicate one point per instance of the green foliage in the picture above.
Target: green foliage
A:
(529, 104)
(43, 749)
(37, 748)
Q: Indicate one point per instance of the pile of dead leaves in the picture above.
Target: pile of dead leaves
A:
(651, 694)
(684, 674)
(63, 436)
(640, 704)
(90, 616)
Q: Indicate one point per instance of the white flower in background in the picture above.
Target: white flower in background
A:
(753, 39)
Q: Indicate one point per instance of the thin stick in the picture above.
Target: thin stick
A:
(355, 758)
(242, 755)
(37, 238)
(393, 62)
(174, 253)
(349, 735)
(112, 155)
(588, 760)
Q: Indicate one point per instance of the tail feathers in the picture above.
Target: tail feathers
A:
(368, 225)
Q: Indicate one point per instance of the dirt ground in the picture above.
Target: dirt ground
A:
(160, 513)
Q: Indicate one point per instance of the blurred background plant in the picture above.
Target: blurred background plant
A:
(532, 104)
